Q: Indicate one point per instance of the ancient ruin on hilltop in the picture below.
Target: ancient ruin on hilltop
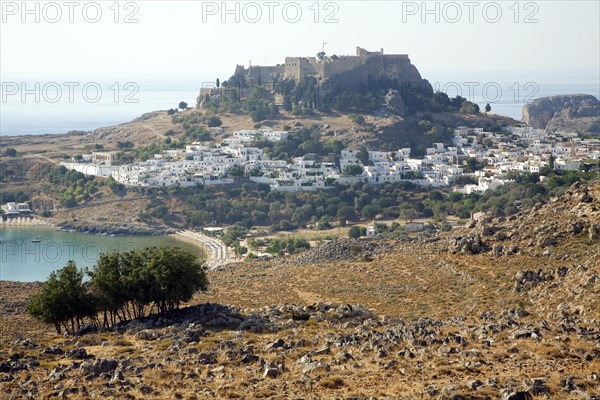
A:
(363, 70)
(324, 67)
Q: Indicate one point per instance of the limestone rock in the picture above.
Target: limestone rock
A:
(569, 113)
(394, 102)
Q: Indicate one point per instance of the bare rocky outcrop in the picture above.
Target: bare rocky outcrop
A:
(342, 249)
(394, 102)
(574, 214)
(568, 113)
(398, 73)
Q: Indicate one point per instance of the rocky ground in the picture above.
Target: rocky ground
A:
(447, 316)
(341, 249)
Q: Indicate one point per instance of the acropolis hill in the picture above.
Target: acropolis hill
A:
(363, 70)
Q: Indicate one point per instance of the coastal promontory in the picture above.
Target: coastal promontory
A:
(569, 113)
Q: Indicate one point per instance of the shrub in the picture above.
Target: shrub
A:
(214, 121)
(355, 232)
(353, 170)
(10, 152)
(357, 119)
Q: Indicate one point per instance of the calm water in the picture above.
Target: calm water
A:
(53, 112)
(37, 106)
(25, 261)
(508, 91)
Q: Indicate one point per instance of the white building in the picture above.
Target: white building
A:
(414, 227)
(567, 165)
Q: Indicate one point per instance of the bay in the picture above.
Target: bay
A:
(23, 260)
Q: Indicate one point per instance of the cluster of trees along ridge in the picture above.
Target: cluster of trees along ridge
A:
(247, 204)
(307, 95)
(120, 287)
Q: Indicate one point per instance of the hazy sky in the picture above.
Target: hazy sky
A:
(175, 39)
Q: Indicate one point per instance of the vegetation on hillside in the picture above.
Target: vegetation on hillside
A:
(309, 95)
(289, 245)
(77, 186)
(247, 204)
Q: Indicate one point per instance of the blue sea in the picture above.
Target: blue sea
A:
(24, 259)
(32, 106)
(508, 91)
(60, 104)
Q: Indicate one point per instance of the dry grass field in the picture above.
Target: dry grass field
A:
(506, 308)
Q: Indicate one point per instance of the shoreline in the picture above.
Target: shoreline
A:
(25, 261)
(58, 228)
(188, 240)
(216, 252)
(28, 223)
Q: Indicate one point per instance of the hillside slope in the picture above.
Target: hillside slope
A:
(443, 317)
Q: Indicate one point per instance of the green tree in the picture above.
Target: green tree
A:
(214, 121)
(119, 282)
(363, 155)
(67, 199)
(234, 233)
(173, 276)
(355, 232)
(472, 164)
(352, 170)
(286, 225)
(64, 298)
(468, 107)
(551, 162)
(183, 105)
(107, 278)
(488, 108)
(409, 214)
(357, 119)
(236, 172)
(370, 211)
(125, 145)
(344, 214)
(116, 187)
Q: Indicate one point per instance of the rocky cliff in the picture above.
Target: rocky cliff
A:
(383, 72)
(569, 113)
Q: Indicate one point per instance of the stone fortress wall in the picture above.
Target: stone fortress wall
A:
(395, 71)
(299, 67)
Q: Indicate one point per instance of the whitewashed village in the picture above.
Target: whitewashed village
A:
(521, 149)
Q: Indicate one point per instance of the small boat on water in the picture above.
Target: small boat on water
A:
(37, 239)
